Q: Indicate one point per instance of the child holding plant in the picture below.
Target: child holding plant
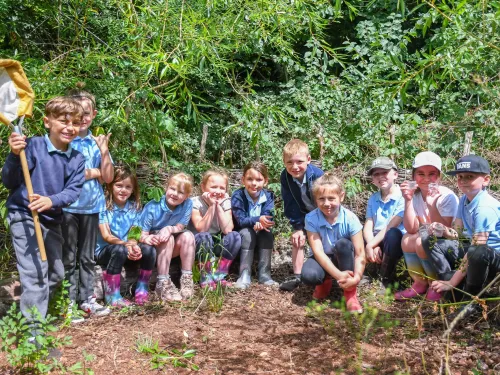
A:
(479, 219)
(253, 208)
(336, 239)
(428, 256)
(212, 225)
(114, 249)
(163, 226)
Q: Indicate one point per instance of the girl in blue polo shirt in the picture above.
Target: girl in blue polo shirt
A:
(163, 226)
(336, 239)
(253, 208)
(114, 250)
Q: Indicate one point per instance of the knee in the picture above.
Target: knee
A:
(478, 254)
(344, 247)
(148, 251)
(119, 252)
(233, 238)
(204, 241)
(186, 239)
(393, 235)
(421, 252)
(408, 242)
(248, 237)
(266, 239)
(311, 275)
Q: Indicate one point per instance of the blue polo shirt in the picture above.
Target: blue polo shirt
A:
(91, 198)
(120, 220)
(254, 208)
(481, 215)
(382, 212)
(157, 215)
(346, 226)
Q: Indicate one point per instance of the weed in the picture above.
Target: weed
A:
(80, 368)
(60, 302)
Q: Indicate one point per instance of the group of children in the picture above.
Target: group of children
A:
(420, 220)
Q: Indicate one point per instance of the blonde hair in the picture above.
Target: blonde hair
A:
(214, 172)
(182, 181)
(122, 173)
(64, 105)
(294, 147)
(330, 181)
(80, 94)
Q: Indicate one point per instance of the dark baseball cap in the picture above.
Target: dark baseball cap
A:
(471, 164)
(382, 162)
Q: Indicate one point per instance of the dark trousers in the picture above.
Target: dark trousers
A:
(112, 258)
(484, 264)
(342, 258)
(226, 246)
(391, 244)
(80, 235)
(251, 239)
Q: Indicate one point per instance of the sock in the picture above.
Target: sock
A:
(186, 272)
(163, 278)
(414, 265)
(429, 269)
(297, 275)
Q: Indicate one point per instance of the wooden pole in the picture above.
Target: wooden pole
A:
(467, 143)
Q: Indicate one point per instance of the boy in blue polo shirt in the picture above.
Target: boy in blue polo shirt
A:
(479, 219)
(81, 219)
(384, 229)
(57, 174)
(336, 239)
(296, 190)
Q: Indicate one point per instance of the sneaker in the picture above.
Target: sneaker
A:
(73, 314)
(166, 291)
(290, 284)
(92, 307)
(323, 290)
(187, 286)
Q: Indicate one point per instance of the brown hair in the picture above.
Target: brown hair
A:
(295, 146)
(328, 180)
(259, 167)
(182, 180)
(214, 172)
(79, 94)
(64, 105)
(122, 173)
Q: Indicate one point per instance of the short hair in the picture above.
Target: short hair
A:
(182, 181)
(259, 167)
(122, 173)
(214, 172)
(294, 147)
(64, 105)
(328, 180)
(80, 94)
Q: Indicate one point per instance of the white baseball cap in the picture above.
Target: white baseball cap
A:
(427, 158)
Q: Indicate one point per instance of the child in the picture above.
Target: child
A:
(383, 229)
(212, 225)
(162, 225)
(479, 214)
(57, 174)
(296, 186)
(427, 258)
(114, 250)
(336, 239)
(253, 208)
(81, 219)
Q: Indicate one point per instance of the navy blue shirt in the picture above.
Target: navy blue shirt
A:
(242, 215)
(54, 174)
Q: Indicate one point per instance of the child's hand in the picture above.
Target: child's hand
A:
(406, 191)
(219, 198)
(377, 252)
(209, 198)
(266, 221)
(258, 226)
(17, 143)
(348, 280)
(152, 240)
(370, 256)
(39, 203)
(441, 286)
(134, 252)
(298, 238)
(102, 142)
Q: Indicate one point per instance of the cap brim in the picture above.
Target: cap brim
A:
(452, 173)
(369, 172)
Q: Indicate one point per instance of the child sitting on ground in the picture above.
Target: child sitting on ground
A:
(253, 208)
(163, 226)
(427, 258)
(296, 190)
(383, 229)
(57, 174)
(81, 219)
(335, 236)
(114, 249)
(212, 225)
(479, 215)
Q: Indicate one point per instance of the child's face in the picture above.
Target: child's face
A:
(296, 165)
(122, 190)
(254, 182)
(329, 201)
(216, 186)
(426, 175)
(384, 178)
(472, 183)
(89, 114)
(62, 129)
(174, 195)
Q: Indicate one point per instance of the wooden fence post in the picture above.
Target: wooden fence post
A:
(467, 143)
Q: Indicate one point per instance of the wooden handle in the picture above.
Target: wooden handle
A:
(36, 219)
